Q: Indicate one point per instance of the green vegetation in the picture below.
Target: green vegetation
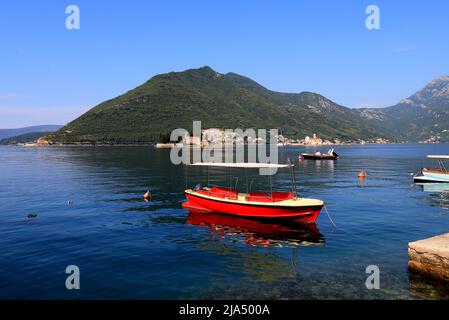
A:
(149, 112)
(24, 138)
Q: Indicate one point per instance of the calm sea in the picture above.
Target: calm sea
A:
(126, 248)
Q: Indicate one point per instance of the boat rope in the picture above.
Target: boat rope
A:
(185, 171)
(330, 218)
(292, 178)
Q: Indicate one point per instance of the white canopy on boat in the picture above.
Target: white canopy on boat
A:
(438, 156)
(239, 165)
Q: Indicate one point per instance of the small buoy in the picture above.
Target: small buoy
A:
(147, 195)
(32, 215)
(362, 174)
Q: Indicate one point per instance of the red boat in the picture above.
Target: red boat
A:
(264, 205)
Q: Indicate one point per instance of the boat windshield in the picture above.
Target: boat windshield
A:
(440, 159)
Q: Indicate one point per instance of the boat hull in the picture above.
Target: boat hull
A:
(431, 176)
(318, 157)
(303, 214)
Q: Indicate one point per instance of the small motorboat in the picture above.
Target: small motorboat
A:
(330, 155)
(262, 205)
(440, 174)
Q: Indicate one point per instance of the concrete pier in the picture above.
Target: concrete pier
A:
(430, 257)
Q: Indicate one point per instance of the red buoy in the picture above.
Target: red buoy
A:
(147, 196)
(362, 174)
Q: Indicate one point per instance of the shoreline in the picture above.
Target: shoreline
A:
(153, 145)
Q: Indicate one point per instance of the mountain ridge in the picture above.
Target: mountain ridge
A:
(229, 100)
(175, 99)
(8, 133)
(30, 137)
(423, 116)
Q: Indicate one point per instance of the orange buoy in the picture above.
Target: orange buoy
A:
(362, 174)
(147, 196)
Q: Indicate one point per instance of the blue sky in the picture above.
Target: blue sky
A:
(49, 74)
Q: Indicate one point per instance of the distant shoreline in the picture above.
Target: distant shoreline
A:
(34, 145)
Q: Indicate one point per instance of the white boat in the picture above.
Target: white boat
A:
(440, 174)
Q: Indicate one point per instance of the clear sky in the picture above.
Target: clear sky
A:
(50, 75)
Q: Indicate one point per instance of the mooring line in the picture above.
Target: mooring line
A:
(329, 216)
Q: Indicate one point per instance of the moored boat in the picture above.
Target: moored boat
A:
(440, 174)
(263, 205)
(330, 155)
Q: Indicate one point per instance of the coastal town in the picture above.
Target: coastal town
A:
(214, 136)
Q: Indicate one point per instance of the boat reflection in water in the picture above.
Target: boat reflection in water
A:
(439, 193)
(435, 187)
(257, 233)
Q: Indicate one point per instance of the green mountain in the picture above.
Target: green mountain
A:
(24, 138)
(173, 100)
(424, 116)
(7, 133)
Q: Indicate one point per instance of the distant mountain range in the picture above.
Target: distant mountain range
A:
(24, 138)
(424, 116)
(7, 133)
(173, 100)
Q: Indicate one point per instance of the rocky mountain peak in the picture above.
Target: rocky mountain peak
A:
(438, 88)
